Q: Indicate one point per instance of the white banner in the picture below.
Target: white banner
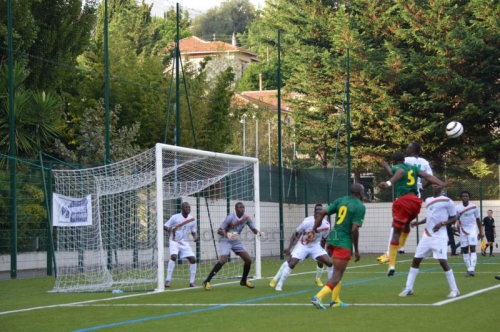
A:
(70, 211)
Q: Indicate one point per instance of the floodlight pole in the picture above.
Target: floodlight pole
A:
(12, 147)
(348, 123)
(106, 84)
(280, 158)
(177, 84)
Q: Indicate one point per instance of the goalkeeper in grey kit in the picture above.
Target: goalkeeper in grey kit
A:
(229, 240)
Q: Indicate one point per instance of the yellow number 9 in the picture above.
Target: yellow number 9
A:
(341, 215)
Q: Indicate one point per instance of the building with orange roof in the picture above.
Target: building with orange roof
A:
(195, 50)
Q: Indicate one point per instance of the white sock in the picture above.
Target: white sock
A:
(284, 276)
(473, 261)
(170, 269)
(319, 272)
(412, 275)
(329, 272)
(467, 261)
(280, 271)
(192, 270)
(389, 243)
(451, 280)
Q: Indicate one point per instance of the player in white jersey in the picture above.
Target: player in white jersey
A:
(306, 243)
(469, 223)
(412, 158)
(179, 226)
(440, 212)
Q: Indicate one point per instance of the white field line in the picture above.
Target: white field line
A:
(233, 282)
(246, 305)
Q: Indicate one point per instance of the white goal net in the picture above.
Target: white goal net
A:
(121, 245)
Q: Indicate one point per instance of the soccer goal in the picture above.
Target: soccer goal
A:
(109, 220)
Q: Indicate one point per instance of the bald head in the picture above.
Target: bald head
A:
(357, 189)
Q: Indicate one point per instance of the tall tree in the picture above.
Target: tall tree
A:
(37, 115)
(414, 66)
(63, 32)
(232, 16)
(24, 30)
(216, 135)
(91, 143)
(137, 59)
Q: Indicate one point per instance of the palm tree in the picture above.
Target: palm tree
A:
(36, 115)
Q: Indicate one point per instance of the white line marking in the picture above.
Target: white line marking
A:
(466, 295)
(251, 305)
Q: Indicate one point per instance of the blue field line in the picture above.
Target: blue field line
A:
(139, 320)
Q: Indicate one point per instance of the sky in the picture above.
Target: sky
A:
(193, 6)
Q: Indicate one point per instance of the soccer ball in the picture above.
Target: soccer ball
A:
(454, 129)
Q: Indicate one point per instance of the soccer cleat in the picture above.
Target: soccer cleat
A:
(278, 288)
(272, 283)
(483, 253)
(317, 302)
(454, 293)
(192, 284)
(382, 259)
(491, 255)
(406, 292)
(247, 283)
(167, 283)
(497, 277)
(470, 274)
(401, 250)
(391, 271)
(206, 285)
(319, 283)
(339, 304)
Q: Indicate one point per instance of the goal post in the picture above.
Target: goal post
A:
(159, 158)
(108, 220)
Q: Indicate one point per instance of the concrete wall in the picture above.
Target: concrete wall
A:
(373, 235)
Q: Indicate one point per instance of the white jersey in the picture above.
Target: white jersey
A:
(183, 227)
(307, 226)
(423, 165)
(468, 216)
(439, 209)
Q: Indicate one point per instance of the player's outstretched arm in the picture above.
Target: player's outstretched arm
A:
(435, 180)
(319, 220)
(398, 175)
(386, 167)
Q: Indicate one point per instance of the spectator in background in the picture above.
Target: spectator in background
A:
(451, 230)
(489, 232)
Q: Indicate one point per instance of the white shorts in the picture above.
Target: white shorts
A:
(302, 251)
(437, 245)
(469, 239)
(180, 248)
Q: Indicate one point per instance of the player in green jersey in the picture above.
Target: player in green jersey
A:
(350, 212)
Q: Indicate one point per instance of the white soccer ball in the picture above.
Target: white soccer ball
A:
(454, 129)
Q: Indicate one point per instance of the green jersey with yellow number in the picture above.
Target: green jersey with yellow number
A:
(348, 210)
(409, 182)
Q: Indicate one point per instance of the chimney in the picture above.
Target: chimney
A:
(233, 41)
(260, 81)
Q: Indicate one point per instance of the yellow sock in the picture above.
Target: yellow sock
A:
(323, 292)
(402, 239)
(336, 292)
(393, 252)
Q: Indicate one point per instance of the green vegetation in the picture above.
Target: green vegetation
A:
(26, 306)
